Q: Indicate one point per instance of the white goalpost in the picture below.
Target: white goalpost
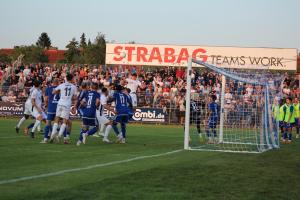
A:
(239, 120)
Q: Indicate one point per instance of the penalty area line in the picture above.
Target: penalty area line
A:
(26, 178)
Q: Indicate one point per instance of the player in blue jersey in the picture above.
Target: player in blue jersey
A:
(130, 110)
(83, 91)
(123, 108)
(50, 101)
(89, 103)
(212, 119)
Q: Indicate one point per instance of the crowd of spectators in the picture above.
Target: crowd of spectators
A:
(164, 87)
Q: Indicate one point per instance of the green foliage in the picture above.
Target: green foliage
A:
(77, 52)
(89, 43)
(82, 41)
(89, 53)
(94, 53)
(72, 55)
(44, 41)
(32, 54)
(5, 58)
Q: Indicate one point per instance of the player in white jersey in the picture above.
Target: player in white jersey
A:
(67, 92)
(102, 119)
(133, 84)
(27, 110)
(37, 110)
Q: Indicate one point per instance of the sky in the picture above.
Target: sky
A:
(247, 23)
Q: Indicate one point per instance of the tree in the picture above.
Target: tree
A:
(89, 43)
(83, 41)
(32, 54)
(72, 55)
(95, 52)
(44, 41)
(4, 58)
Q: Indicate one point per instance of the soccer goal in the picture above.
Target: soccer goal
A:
(236, 117)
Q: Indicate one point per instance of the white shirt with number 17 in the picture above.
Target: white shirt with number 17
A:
(67, 91)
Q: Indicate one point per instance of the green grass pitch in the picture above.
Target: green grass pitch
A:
(127, 171)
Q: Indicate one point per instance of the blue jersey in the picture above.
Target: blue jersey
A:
(213, 108)
(90, 98)
(123, 103)
(80, 97)
(52, 99)
(130, 108)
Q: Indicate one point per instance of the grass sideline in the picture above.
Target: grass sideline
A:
(181, 175)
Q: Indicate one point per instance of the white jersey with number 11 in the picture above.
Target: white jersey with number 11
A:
(67, 91)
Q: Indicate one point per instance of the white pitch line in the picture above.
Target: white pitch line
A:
(2, 182)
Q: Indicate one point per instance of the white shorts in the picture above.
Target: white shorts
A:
(28, 110)
(36, 114)
(63, 112)
(101, 119)
(134, 99)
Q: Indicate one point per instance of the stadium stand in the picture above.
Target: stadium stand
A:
(164, 87)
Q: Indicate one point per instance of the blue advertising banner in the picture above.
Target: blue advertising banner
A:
(147, 115)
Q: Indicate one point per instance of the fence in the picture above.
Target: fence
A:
(142, 115)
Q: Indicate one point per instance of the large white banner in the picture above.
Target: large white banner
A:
(176, 55)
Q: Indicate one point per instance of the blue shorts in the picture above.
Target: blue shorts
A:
(122, 118)
(288, 125)
(86, 121)
(296, 124)
(281, 124)
(51, 116)
(212, 123)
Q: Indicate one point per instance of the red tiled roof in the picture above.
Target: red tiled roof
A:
(7, 51)
(54, 55)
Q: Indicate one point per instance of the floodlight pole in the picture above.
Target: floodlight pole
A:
(187, 105)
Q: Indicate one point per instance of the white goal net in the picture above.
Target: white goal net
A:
(235, 116)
